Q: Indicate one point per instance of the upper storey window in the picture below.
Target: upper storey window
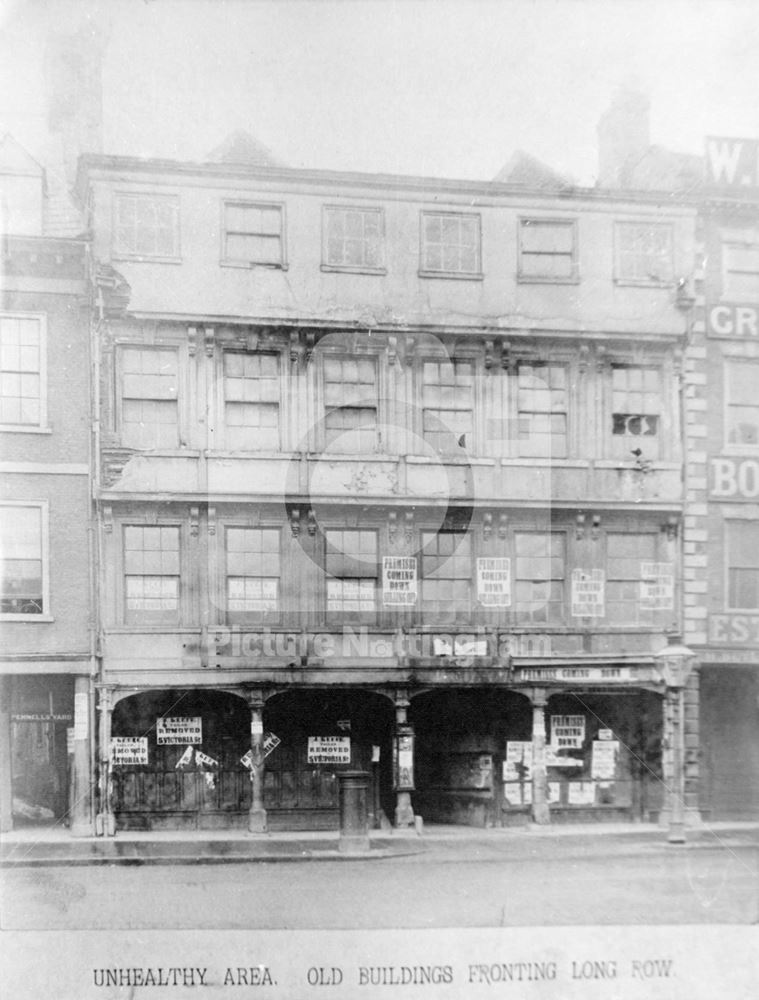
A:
(451, 244)
(542, 409)
(251, 401)
(147, 225)
(21, 372)
(740, 271)
(350, 404)
(253, 234)
(636, 411)
(149, 403)
(353, 239)
(742, 403)
(448, 404)
(23, 556)
(644, 253)
(547, 250)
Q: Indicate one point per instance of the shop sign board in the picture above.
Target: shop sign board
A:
(175, 729)
(583, 675)
(129, 750)
(733, 320)
(494, 582)
(657, 586)
(734, 478)
(41, 717)
(399, 586)
(329, 749)
(603, 762)
(732, 163)
(567, 731)
(587, 593)
(734, 630)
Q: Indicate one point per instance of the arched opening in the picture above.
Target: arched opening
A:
(191, 743)
(323, 731)
(461, 737)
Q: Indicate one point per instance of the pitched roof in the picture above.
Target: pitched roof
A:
(522, 168)
(16, 160)
(243, 148)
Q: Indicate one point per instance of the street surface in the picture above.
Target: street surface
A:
(491, 881)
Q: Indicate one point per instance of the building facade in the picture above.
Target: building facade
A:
(389, 477)
(47, 664)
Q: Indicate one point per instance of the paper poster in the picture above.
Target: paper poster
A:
(604, 759)
(553, 759)
(587, 593)
(256, 727)
(512, 793)
(554, 792)
(81, 716)
(567, 731)
(329, 750)
(399, 582)
(175, 729)
(657, 586)
(271, 742)
(247, 759)
(129, 750)
(605, 734)
(518, 763)
(202, 759)
(494, 582)
(581, 793)
(186, 759)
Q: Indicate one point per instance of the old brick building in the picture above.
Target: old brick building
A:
(388, 475)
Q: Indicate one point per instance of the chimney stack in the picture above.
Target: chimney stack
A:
(623, 138)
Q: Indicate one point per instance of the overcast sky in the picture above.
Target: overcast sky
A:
(438, 87)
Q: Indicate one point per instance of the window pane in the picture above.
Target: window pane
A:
(21, 560)
(451, 243)
(20, 383)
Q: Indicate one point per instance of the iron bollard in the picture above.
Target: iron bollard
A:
(354, 813)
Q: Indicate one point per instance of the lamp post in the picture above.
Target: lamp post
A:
(674, 664)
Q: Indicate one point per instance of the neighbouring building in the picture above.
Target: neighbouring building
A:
(47, 662)
(389, 476)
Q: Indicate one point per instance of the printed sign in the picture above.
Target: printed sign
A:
(587, 593)
(735, 478)
(399, 586)
(186, 759)
(657, 586)
(512, 793)
(732, 163)
(518, 763)
(247, 759)
(329, 749)
(554, 792)
(256, 727)
(733, 320)
(129, 749)
(554, 760)
(604, 759)
(567, 731)
(581, 793)
(81, 716)
(271, 742)
(174, 729)
(494, 583)
(203, 760)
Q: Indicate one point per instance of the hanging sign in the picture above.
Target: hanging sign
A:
(81, 716)
(518, 763)
(173, 729)
(203, 759)
(604, 760)
(271, 742)
(186, 759)
(494, 582)
(587, 593)
(129, 749)
(657, 586)
(399, 586)
(567, 731)
(329, 750)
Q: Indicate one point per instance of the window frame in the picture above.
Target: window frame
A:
(513, 389)
(44, 508)
(574, 256)
(341, 355)
(226, 261)
(42, 426)
(364, 268)
(624, 279)
(732, 447)
(644, 618)
(155, 623)
(121, 253)
(255, 619)
(359, 618)
(223, 402)
(425, 271)
(727, 523)
(472, 448)
(664, 431)
(519, 617)
(738, 241)
(437, 619)
(119, 394)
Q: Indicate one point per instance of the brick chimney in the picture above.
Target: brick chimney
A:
(623, 138)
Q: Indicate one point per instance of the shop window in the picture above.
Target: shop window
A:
(542, 410)
(23, 560)
(644, 252)
(636, 412)
(253, 234)
(353, 239)
(740, 272)
(350, 404)
(547, 250)
(151, 574)
(149, 394)
(22, 386)
(450, 244)
(147, 226)
(446, 566)
(253, 574)
(351, 575)
(743, 565)
(539, 575)
(251, 401)
(448, 405)
(625, 554)
(742, 402)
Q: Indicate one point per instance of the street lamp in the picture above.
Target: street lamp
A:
(674, 664)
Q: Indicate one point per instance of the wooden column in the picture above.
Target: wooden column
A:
(403, 776)
(105, 821)
(256, 813)
(540, 810)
